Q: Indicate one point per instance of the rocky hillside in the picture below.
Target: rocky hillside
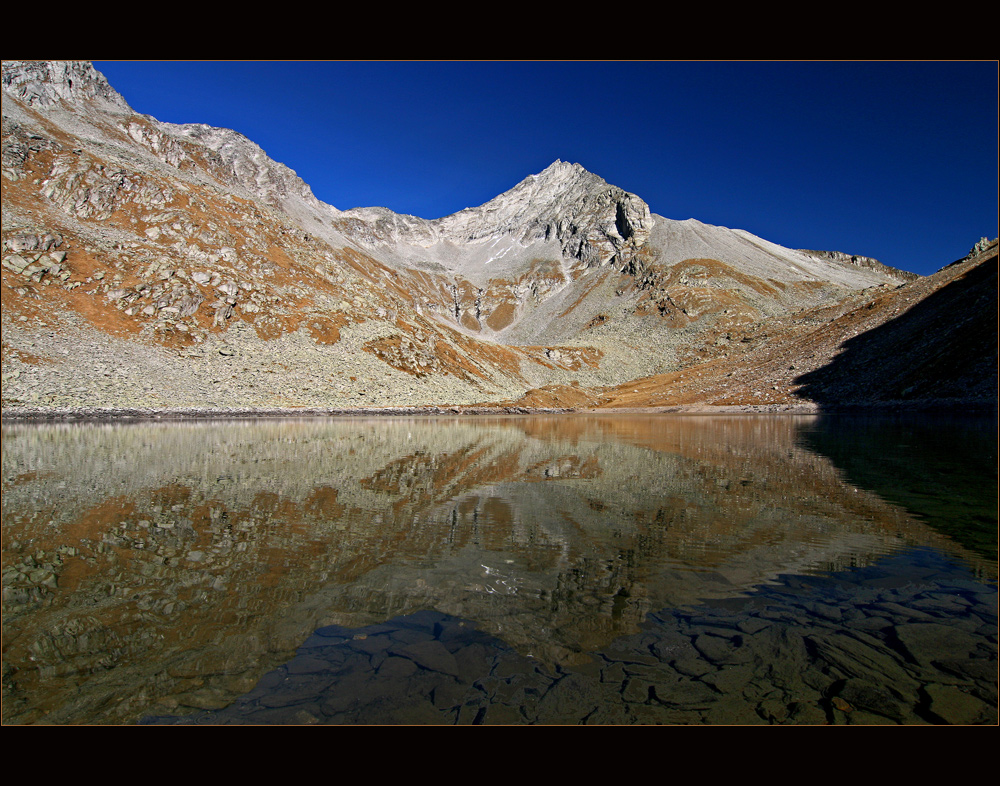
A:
(927, 344)
(151, 265)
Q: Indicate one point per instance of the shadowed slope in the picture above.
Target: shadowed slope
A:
(942, 349)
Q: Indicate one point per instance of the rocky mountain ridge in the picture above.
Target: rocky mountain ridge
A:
(156, 265)
(592, 222)
(43, 83)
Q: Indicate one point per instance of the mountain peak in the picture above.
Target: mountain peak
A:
(592, 220)
(559, 166)
(44, 83)
(564, 175)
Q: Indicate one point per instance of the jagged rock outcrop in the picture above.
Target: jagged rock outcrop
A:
(865, 262)
(593, 221)
(240, 162)
(55, 87)
(41, 83)
(563, 210)
(981, 246)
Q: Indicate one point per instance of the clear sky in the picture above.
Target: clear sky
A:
(892, 160)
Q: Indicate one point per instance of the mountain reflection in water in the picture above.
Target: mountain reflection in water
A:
(564, 569)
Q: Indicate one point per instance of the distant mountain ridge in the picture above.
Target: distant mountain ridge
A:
(862, 261)
(193, 247)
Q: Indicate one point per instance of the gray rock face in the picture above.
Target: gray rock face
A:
(863, 262)
(245, 164)
(41, 83)
(583, 218)
(231, 157)
(592, 220)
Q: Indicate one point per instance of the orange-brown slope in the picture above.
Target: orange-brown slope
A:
(142, 253)
(932, 340)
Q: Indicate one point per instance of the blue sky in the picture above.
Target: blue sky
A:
(892, 160)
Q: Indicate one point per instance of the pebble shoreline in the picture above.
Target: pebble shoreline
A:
(193, 413)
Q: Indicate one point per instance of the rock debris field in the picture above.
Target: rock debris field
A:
(808, 650)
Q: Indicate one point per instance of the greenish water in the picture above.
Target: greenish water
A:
(941, 469)
(574, 569)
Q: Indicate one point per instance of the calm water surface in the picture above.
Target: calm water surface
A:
(570, 569)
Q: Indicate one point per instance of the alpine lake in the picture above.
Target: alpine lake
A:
(564, 569)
